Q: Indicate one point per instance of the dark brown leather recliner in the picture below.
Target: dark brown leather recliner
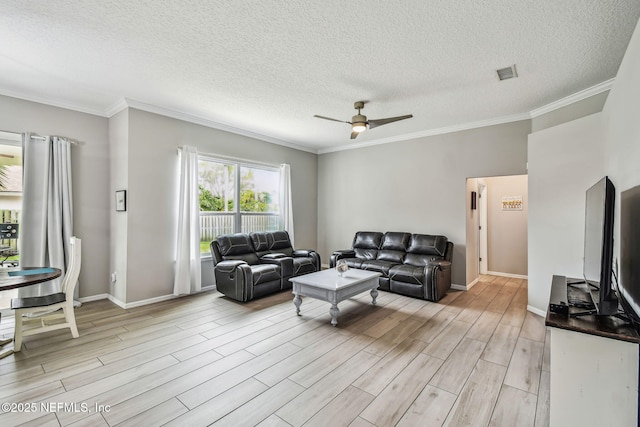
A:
(249, 266)
(416, 265)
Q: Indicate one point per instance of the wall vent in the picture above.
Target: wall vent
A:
(507, 73)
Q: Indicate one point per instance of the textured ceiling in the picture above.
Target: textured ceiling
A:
(266, 67)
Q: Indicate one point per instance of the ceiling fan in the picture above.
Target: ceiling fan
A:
(360, 123)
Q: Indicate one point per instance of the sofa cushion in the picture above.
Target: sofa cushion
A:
(367, 240)
(391, 256)
(366, 244)
(377, 265)
(424, 248)
(260, 243)
(393, 247)
(279, 242)
(237, 246)
(395, 241)
(407, 273)
(419, 260)
(264, 273)
(303, 265)
(425, 244)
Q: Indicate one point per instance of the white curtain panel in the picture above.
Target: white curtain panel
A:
(47, 209)
(187, 274)
(286, 206)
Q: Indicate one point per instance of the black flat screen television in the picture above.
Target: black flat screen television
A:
(629, 280)
(598, 246)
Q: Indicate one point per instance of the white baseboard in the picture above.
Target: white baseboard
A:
(465, 287)
(117, 302)
(536, 311)
(140, 303)
(513, 276)
(94, 298)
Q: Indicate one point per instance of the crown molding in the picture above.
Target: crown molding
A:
(131, 103)
(578, 96)
(568, 100)
(116, 108)
(430, 132)
(53, 103)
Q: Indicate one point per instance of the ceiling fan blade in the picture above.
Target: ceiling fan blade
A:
(380, 122)
(354, 135)
(329, 118)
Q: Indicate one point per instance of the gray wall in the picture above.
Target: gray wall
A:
(564, 161)
(151, 215)
(119, 166)
(622, 128)
(415, 186)
(585, 107)
(472, 224)
(90, 160)
(507, 230)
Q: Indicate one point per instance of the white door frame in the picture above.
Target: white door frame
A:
(483, 255)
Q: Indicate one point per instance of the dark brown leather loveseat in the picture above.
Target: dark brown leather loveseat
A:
(416, 265)
(249, 266)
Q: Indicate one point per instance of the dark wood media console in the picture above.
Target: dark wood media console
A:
(594, 363)
(602, 326)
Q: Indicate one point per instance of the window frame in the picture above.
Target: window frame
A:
(237, 214)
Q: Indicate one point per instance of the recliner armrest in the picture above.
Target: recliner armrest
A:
(343, 253)
(303, 252)
(271, 256)
(229, 266)
(441, 264)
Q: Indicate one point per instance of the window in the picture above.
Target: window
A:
(10, 192)
(236, 197)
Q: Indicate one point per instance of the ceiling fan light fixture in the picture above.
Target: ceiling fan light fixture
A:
(359, 127)
(359, 123)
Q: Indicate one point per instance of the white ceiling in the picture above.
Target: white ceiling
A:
(266, 67)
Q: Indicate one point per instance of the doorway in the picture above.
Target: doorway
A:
(496, 227)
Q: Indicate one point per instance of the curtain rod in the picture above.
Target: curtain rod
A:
(236, 159)
(42, 138)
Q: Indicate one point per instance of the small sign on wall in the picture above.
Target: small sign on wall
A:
(512, 203)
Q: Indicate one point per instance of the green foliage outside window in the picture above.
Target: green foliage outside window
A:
(213, 203)
(252, 202)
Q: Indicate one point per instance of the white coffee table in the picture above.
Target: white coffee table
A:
(326, 285)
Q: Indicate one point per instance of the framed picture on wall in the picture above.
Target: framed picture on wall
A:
(512, 203)
(121, 200)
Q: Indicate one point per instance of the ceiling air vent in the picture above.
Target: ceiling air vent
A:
(507, 73)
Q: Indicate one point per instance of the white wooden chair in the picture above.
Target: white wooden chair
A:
(46, 308)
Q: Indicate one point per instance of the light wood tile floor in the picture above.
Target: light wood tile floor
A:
(476, 358)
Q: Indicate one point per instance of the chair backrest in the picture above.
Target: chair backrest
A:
(366, 244)
(279, 241)
(234, 247)
(424, 248)
(73, 269)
